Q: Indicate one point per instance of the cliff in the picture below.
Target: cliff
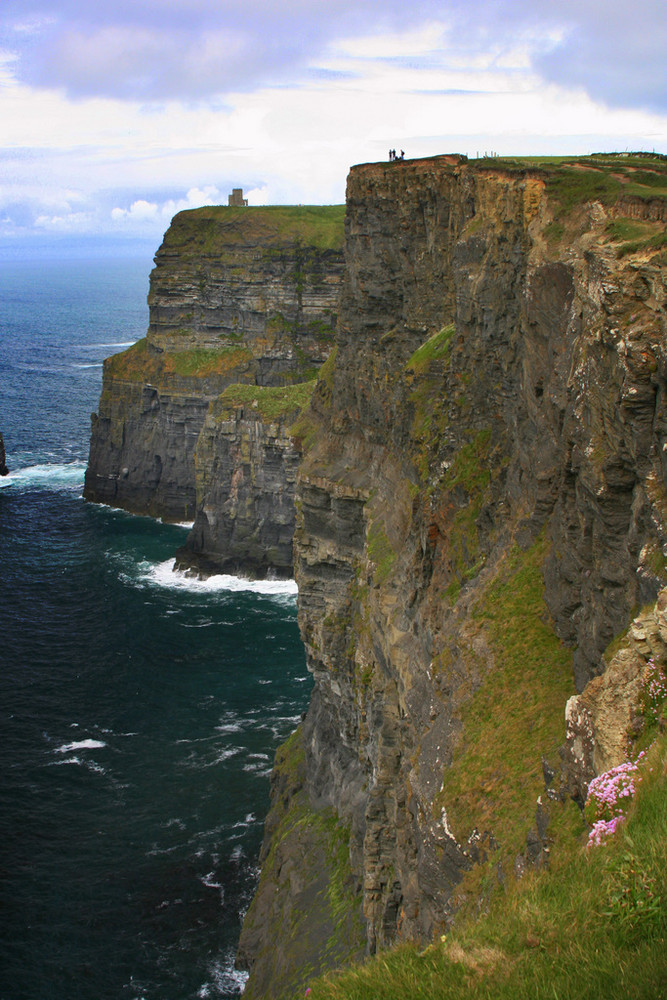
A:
(245, 470)
(236, 296)
(481, 510)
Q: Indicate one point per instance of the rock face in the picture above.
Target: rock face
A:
(480, 507)
(3, 464)
(246, 463)
(237, 295)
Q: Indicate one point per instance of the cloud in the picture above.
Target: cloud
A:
(96, 141)
(197, 49)
(142, 211)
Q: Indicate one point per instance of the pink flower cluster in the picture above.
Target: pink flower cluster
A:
(654, 690)
(603, 829)
(608, 798)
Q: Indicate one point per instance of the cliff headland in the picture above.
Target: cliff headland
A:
(480, 533)
(238, 297)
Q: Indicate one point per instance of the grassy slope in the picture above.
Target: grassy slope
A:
(513, 720)
(592, 927)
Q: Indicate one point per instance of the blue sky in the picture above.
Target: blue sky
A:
(118, 113)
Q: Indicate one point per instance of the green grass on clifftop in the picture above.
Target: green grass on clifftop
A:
(217, 228)
(603, 177)
(593, 929)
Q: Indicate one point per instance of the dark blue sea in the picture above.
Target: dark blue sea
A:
(139, 710)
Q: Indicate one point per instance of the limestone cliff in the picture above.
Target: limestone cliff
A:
(246, 463)
(236, 296)
(480, 510)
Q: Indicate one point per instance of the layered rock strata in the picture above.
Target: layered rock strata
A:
(246, 464)
(481, 507)
(236, 296)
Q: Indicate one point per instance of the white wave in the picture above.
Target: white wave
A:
(174, 822)
(231, 725)
(197, 763)
(262, 772)
(67, 760)
(93, 347)
(94, 364)
(90, 765)
(209, 881)
(165, 574)
(223, 979)
(80, 745)
(68, 474)
(96, 768)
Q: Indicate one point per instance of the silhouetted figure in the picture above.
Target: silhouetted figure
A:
(402, 155)
(391, 154)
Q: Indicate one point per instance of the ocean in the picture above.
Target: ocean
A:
(139, 709)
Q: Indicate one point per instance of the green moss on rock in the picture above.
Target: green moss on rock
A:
(140, 364)
(269, 402)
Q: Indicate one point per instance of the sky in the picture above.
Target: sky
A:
(116, 114)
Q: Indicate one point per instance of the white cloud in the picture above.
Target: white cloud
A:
(142, 211)
(123, 165)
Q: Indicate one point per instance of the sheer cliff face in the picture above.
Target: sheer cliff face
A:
(494, 419)
(236, 295)
(246, 464)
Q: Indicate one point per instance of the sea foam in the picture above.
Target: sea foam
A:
(46, 476)
(80, 745)
(165, 574)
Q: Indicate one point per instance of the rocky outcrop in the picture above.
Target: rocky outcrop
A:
(3, 464)
(236, 296)
(603, 721)
(480, 507)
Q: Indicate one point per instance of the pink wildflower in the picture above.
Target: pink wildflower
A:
(608, 798)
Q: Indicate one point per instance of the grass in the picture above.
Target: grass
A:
(305, 428)
(470, 471)
(423, 372)
(269, 402)
(217, 229)
(434, 349)
(595, 928)
(635, 235)
(572, 181)
(515, 716)
(380, 552)
(139, 364)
